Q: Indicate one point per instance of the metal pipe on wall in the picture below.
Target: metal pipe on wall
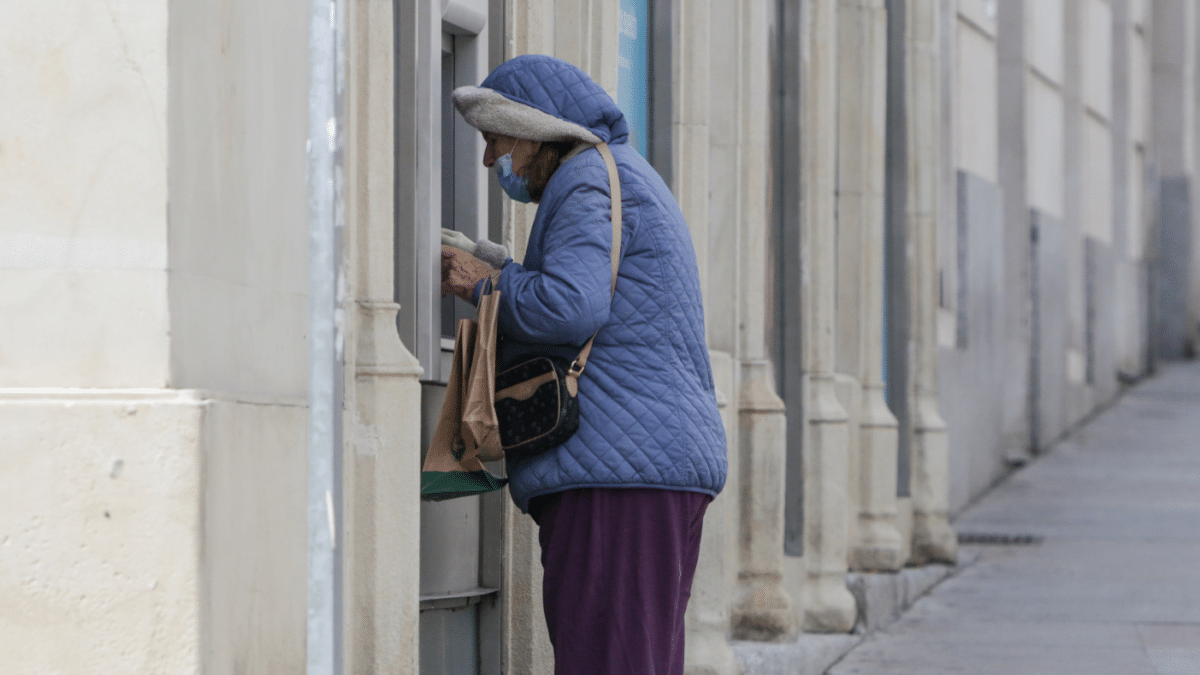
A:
(326, 222)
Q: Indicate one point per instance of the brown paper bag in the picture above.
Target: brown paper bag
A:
(481, 428)
(467, 433)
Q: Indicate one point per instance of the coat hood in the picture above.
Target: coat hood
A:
(541, 98)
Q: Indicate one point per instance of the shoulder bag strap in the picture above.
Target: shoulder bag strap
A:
(614, 188)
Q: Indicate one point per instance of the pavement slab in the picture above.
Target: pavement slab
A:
(1113, 585)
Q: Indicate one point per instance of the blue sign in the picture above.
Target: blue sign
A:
(633, 70)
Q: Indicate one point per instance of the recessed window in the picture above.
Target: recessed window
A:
(441, 183)
(633, 71)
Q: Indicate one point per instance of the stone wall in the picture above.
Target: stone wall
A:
(933, 235)
(972, 355)
(153, 356)
(83, 162)
(1063, 296)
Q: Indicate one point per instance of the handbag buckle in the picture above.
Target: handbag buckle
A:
(573, 373)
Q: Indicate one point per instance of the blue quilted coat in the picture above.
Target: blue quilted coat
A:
(648, 412)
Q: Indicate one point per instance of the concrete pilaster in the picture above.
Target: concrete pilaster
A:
(762, 608)
(586, 34)
(1173, 113)
(581, 32)
(828, 605)
(875, 543)
(1126, 191)
(932, 538)
(719, 264)
(1013, 78)
(708, 616)
(708, 651)
(529, 28)
(1079, 394)
(383, 396)
(1122, 105)
(525, 644)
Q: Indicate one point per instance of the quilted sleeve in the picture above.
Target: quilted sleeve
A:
(567, 300)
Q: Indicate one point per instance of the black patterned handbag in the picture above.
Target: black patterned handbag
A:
(536, 400)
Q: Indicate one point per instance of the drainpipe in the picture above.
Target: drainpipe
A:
(326, 222)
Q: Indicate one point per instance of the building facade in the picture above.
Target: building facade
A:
(933, 236)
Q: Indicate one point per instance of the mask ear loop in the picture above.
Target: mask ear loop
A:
(510, 154)
(510, 150)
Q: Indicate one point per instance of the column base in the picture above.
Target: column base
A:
(763, 611)
(710, 654)
(878, 544)
(933, 540)
(707, 648)
(879, 549)
(829, 606)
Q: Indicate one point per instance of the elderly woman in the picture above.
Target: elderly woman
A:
(621, 502)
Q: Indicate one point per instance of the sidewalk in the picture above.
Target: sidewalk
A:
(1114, 586)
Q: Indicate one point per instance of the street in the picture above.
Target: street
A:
(1114, 584)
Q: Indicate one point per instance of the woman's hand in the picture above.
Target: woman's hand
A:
(458, 240)
(461, 272)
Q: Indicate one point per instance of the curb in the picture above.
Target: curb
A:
(881, 597)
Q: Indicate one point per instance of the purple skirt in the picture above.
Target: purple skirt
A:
(618, 574)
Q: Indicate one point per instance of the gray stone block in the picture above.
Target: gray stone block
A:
(882, 598)
(976, 363)
(1100, 282)
(1172, 332)
(1048, 390)
(810, 655)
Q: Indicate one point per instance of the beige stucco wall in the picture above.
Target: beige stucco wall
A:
(119, 280)
(1096, 180)
(145, 528)
(99, 533)
(83, 183)
(1044, 37)
(254, 564)
(1096, 69)
(238, 298)
(151, 531)
(1174, 87)
(239, 206)
(976, 136)
(1044, 145)
(1096, 56)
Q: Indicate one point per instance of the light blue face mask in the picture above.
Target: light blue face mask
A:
(515, 186)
